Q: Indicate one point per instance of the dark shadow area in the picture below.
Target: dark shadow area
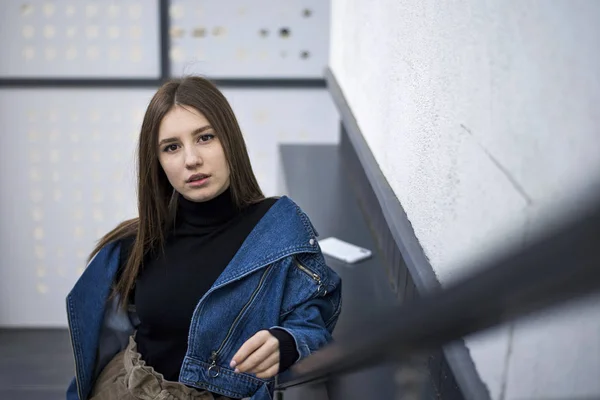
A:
(35, 364)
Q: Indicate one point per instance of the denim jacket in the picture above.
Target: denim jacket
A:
(278, 278)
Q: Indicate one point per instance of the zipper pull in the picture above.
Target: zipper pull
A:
(314, 276)
(213, 371)
(317, 279)
(320, 285)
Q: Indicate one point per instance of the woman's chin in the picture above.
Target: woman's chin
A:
(200, 195)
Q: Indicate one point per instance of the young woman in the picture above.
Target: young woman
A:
(214, 289)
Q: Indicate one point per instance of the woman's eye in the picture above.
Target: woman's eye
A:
(205, 138)
(170, 148)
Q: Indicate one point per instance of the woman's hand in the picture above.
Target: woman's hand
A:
(259, 355)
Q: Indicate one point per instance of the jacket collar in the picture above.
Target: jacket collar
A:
(284, 230)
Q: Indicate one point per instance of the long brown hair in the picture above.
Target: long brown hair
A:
(157, 199)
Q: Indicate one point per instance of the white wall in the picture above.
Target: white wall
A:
(484, 118)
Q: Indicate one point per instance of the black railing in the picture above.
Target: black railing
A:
(558, 267)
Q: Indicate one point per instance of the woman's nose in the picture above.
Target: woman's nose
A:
(192, 159)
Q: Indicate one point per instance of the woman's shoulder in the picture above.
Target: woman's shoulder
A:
(260, 208)
(285, 205)
(126, 244)
(269, 201)
(283, 202)
(286, 223)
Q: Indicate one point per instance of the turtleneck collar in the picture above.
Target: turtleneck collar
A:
(206, 214)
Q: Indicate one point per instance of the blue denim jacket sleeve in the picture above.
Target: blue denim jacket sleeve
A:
(72, 391)
(311, 322)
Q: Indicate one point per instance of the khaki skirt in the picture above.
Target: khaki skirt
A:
(127, 377)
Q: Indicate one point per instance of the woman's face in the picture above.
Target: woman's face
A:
(191, 155)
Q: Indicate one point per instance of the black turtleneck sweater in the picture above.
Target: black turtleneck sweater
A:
(203, 241)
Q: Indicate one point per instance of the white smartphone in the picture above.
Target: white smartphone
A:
(343, 251)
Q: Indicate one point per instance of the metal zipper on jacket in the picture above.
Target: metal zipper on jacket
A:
(215, 354)
(307, 271)
(73, 354)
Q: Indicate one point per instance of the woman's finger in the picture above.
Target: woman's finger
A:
(261, 354)
(271, 372)
(266, 364)
(249, 347)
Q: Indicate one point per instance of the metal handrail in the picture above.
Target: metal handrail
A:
(557, 267)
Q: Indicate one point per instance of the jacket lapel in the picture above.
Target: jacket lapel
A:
(284, 230)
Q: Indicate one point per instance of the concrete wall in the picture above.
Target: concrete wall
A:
(484, 118)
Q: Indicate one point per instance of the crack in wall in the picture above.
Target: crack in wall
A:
(515, 184)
